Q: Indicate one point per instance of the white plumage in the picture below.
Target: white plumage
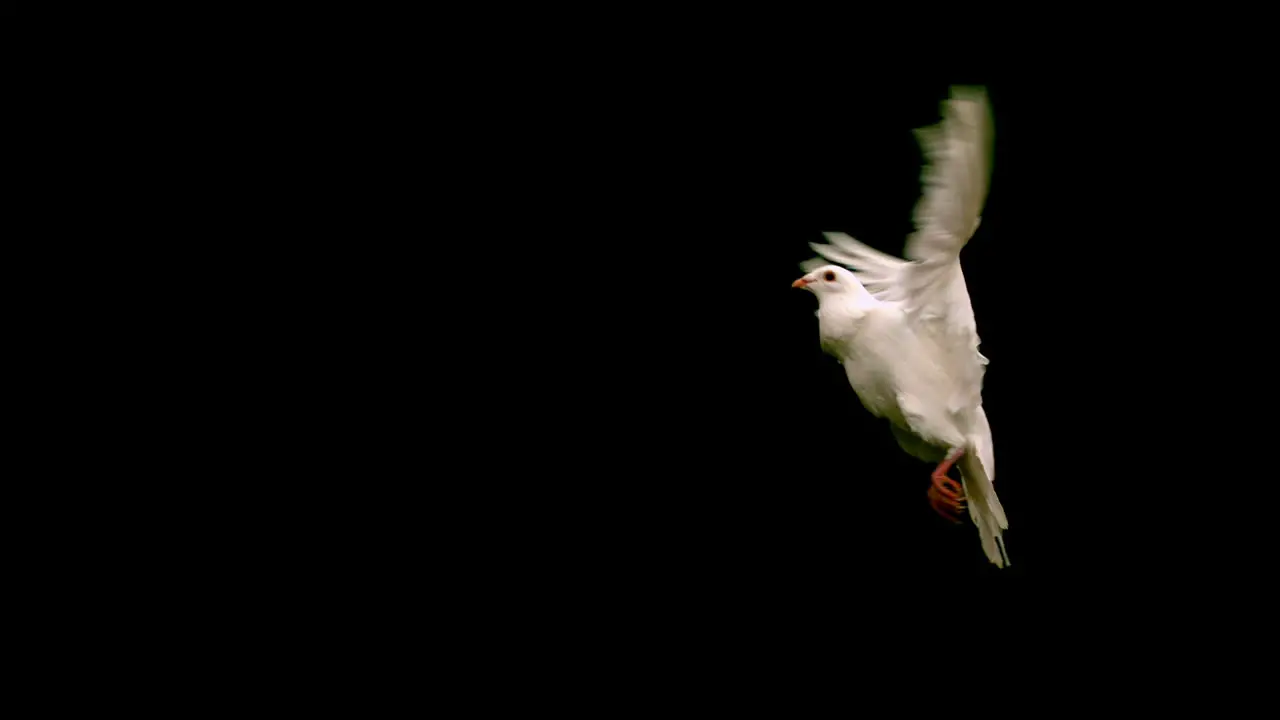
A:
(904, 330)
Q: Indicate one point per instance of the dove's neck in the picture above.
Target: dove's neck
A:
(847, 308)
(854, 301)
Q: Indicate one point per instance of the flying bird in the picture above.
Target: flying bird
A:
(904, 330)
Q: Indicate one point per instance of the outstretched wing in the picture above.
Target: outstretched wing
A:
(956, 176)
(930, 284)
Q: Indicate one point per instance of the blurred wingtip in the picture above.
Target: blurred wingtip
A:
(812, 263)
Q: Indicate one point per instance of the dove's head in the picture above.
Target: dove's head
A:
(829, 280)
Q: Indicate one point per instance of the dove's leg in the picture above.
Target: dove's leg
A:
(946, 496)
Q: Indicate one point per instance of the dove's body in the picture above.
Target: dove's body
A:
(904, 329)
(893, 373)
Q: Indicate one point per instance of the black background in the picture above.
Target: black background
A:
(545, 361)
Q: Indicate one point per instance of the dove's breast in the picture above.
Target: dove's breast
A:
(898, 377)
(873, 384)
(868, 348)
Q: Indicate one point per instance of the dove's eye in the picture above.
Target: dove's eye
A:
(829, 276)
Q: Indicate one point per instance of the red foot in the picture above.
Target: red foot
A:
(946, 496)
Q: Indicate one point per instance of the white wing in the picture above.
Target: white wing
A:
(931, 285)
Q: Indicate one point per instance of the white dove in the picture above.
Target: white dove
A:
(904, 330)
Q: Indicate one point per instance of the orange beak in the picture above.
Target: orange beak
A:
(799, 283)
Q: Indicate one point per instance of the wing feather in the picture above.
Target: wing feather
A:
(930, 283)
(878, 272)
(955, 181)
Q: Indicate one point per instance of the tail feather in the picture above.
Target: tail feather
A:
(985, 509)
